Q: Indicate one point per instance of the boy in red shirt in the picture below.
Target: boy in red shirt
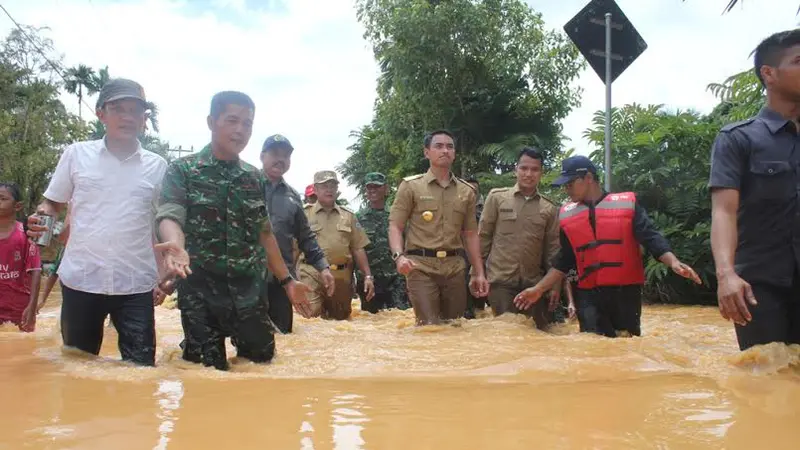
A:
(20, 265)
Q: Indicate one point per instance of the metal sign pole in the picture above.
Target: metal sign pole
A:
(608, 103)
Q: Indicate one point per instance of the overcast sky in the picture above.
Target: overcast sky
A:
(312, 76)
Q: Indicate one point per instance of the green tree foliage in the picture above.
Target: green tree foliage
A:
(34, 124)
(487, 70)
(741, 96)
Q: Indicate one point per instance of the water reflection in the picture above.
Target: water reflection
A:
(170, 393)
(347, 420)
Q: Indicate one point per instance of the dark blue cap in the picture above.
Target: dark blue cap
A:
(276, 141)
(574, 167)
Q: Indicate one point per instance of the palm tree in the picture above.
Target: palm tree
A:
(78, 78)
(102, 77)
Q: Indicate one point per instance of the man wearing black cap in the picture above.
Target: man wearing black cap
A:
(600, 234)
(109, 265)
(289, 223)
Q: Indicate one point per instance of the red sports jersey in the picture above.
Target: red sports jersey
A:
(18, 257)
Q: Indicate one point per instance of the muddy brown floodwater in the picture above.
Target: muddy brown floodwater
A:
(378, 382)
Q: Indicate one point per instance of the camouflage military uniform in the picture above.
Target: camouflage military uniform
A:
(220, 205)
(390, 286)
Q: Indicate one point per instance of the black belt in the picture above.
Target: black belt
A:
(339, 266)
(432, 253)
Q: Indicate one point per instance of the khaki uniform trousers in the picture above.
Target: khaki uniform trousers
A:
(339, 305)
(501, 299)
(436, 289)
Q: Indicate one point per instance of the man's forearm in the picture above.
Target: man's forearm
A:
(395, 238)
(363, 263)
(668, 258)
(474, 252)
(551, 279)
(171, 231)
(724, 239)
(275, 261)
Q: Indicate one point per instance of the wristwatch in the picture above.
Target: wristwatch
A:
(396, 255)
(289, 278)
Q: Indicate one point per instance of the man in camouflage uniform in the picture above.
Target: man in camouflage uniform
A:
(390, 286)
(212, 208)
(342, 239)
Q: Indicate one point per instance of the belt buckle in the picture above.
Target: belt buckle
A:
(441, 254)
(334, 267)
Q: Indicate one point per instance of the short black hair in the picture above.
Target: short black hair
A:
(531, 152)
(429, 137)
(221, 100)
(772, 49)
(16, 194)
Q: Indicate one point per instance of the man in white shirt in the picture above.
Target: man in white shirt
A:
(109, 265)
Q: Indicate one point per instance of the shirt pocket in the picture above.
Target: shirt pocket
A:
(90, 183)
(345, 235)
(203, 210)
(771, 180)
(506, 221)
(143, 193)
(254, 214)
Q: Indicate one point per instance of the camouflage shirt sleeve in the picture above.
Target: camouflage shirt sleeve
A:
(264, 223)
(359, 236)
(172, 203)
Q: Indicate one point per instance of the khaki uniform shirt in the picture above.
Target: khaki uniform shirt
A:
(434, 217)
(518, 236)
(339, 235)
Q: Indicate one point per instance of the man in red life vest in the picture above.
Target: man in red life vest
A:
(600, 237)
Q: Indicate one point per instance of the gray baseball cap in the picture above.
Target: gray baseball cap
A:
(118, 89)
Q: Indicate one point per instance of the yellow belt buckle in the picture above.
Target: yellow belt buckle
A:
(334, 267)
(441, 254)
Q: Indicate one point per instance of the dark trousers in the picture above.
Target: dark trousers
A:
(280, 308)
(83, 318)
(607, 309)
(214, 307)
(776, 317)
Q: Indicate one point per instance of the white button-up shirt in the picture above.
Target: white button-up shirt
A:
(112, 208)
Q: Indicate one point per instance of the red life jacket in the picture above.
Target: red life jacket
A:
(610, 256)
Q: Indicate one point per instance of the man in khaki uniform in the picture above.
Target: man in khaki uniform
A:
(519, 235)
(343, 240)
(437, 210)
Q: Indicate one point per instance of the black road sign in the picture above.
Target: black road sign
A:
(588, 32)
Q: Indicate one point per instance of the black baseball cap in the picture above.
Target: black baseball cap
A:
(118, 89)
(276, 141)
(574, 167)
